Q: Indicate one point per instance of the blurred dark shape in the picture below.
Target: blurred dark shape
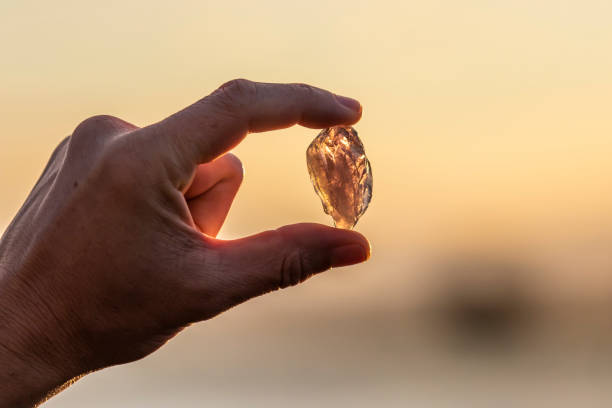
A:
(482, 301)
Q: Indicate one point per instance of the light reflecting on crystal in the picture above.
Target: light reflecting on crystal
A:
(341, 174)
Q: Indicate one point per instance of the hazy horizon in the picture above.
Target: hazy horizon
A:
(488, 129)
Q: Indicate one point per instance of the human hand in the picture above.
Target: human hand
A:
(113, 252)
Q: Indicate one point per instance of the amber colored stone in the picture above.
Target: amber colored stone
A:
(341, 174)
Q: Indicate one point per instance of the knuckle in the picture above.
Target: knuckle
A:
(238, 86)
(96, 125)
(236, 94)
(305, 89)
(92, 133)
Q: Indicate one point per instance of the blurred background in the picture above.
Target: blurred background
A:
(488, 125)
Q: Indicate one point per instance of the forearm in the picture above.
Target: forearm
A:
(31, 366)
(22, 384)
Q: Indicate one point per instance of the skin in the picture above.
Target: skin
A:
(114, 251)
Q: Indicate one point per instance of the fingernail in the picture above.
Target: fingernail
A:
(350, 103)
(348, 255)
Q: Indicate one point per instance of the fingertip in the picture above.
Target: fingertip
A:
(363, 242)
(350, 103)
(368, 249)
(351, 106)
(348, 248)
(348, 255)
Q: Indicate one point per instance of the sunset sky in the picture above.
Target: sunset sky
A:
(488, 108)
(484, 121)
(487, 123)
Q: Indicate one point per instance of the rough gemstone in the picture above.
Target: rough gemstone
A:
(341, 174)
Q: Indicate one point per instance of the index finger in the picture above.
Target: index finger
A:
(215, 124)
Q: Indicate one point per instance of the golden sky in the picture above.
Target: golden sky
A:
(483, 120)
(488, 125)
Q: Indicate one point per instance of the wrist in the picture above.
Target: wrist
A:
(35, 361)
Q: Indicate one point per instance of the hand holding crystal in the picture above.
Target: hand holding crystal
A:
(114, 251)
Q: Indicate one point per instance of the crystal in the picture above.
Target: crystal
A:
(341, 174)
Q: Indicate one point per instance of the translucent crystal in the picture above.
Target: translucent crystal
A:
(341, 175)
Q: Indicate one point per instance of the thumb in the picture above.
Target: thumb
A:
(285, 257)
